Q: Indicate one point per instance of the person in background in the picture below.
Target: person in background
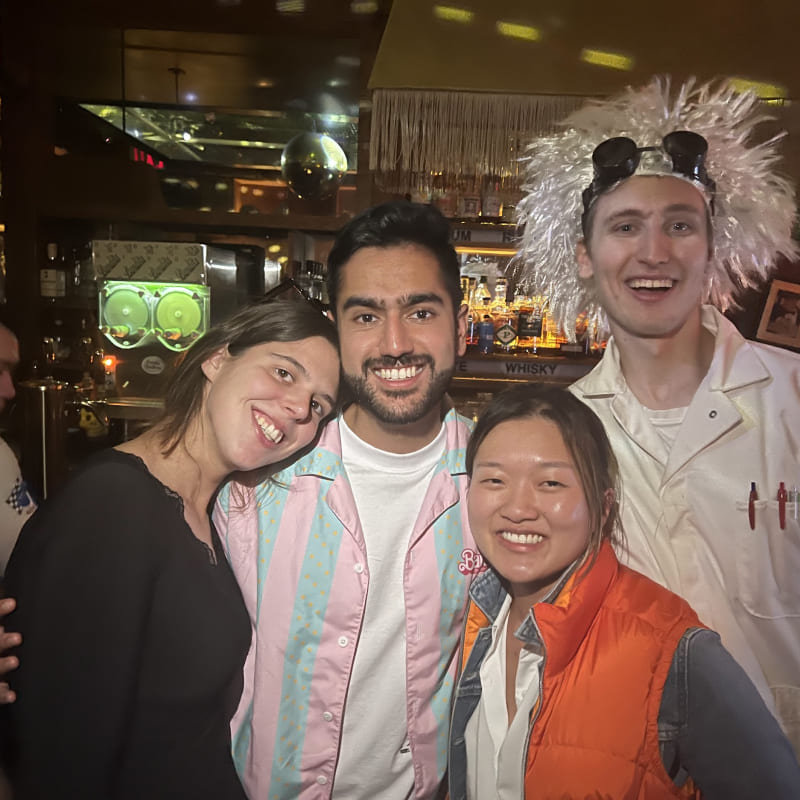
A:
(16, 502)
(651, 210)
(355, 561)
(135, 631)
(17, 505)
(579, 676)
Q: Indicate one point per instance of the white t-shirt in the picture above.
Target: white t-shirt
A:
(667, 423)
(374, 755)
(16, 503)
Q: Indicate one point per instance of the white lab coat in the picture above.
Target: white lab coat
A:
(685, 510)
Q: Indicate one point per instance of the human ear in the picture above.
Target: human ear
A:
(585, 268)
(212, 365)
(461, 329)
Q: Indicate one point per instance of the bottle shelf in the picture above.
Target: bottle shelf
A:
(476, 367)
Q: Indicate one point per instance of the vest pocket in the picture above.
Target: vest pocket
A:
(768, 560)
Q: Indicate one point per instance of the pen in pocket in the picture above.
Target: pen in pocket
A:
(782, 504)
(751, 505)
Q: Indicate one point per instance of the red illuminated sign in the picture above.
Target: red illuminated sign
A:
(143, 155)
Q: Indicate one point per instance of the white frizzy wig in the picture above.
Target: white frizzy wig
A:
(754, 206)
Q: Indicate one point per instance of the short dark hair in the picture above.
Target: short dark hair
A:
(392, 224)
(259, 323)
(584, 436)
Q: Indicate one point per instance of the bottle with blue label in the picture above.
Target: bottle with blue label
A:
(486, 334)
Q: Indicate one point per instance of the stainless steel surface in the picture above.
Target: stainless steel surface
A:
(141, 408)
(45, 407)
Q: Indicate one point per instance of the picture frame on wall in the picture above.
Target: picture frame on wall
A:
(780, 320)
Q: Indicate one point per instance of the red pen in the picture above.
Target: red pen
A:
(751, 505)
(782, 505)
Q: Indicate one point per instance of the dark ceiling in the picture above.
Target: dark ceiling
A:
(480, 45)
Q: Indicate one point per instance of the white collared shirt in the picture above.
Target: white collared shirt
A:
(496, 750)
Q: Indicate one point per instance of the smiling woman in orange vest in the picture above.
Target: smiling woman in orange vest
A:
(580, 677)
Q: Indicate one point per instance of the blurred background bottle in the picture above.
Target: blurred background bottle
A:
(504, 319)
(52, 276)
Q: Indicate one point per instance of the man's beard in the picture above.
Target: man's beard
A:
(388, 406)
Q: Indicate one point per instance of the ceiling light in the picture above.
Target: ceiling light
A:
(290, 6)
(274, 248)
(363, 6)
(453, 14)
(265, 83)
(516, 31)
(601, 58)
(769, 91)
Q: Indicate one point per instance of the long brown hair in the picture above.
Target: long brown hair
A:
(273, 321)
(586, 441)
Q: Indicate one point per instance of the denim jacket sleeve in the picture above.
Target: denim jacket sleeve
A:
(715, 728)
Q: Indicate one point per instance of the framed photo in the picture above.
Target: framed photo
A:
(780, 322)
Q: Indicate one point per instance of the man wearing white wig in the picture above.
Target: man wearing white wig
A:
(651, 211)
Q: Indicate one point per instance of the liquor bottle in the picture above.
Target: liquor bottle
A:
(523, 303)
(482, 292)
(486, 333)
(531, 324)
(505, 321)
(469, 200)
(492, 205)
(552, 336)
(468, 292)
(52, 277)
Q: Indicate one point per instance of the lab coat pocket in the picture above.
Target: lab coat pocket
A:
(768, 560)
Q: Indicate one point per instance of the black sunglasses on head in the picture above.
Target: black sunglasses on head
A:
(618, 158)
(288, 290)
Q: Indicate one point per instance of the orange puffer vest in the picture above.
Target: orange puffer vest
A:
(609, 639)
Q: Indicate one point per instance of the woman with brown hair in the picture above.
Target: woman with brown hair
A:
(134, 629)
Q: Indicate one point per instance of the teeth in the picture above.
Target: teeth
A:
(521, 538)
(269, 430)
(642, 283)
(398, 373)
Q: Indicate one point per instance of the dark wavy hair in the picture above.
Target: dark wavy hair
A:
(586, 441)
(392, 224)
(273, 321)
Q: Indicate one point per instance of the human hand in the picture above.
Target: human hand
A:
(7, 641)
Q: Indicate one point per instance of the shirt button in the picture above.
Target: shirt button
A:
(343, 641)
(321, 780)
(359, 568)
(712, 414)
(327, 716)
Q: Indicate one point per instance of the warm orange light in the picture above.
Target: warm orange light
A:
(485, 251)
(110, 362)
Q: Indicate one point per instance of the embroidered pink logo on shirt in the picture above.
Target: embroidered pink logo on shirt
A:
(471, 562)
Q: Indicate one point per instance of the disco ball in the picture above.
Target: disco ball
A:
(313, 165)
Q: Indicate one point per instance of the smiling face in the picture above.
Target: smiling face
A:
(647, 253)
(527, 507)
(399, 338)
(265, 404)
